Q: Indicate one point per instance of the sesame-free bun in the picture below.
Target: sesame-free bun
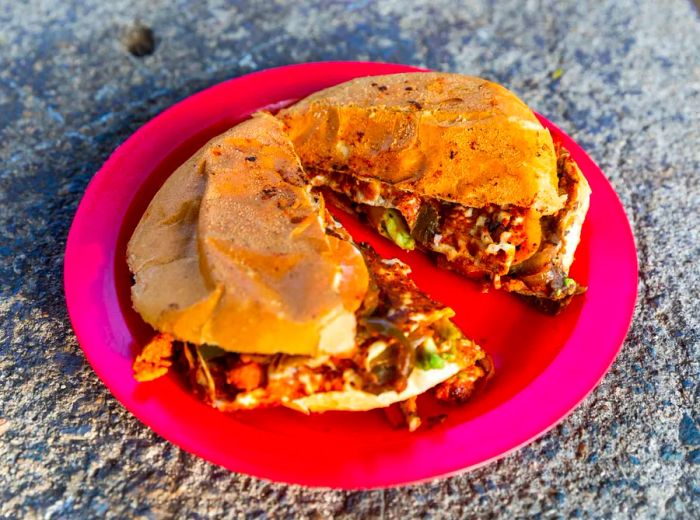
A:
(233, 252)
(457, 138)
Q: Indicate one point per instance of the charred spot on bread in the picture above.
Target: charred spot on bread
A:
(268, 192)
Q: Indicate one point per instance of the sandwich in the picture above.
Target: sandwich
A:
(260, 298)
(455, 165)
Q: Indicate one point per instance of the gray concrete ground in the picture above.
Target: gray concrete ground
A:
(622, 77)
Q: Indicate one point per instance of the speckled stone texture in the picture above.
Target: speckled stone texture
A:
(621, 77)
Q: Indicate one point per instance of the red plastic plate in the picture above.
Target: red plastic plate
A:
(545, 365)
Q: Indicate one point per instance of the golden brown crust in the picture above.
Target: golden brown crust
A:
(447, 136)
(232, 251)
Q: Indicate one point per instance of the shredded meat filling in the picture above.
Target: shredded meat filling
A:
(482, 240)
(488, 237)
(509, 246)
(155, 359)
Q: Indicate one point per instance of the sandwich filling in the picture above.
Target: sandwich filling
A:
(512, 247)
(402, 335)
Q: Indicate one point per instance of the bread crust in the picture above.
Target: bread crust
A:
(452, 137)
(419, 382)
(233, 251)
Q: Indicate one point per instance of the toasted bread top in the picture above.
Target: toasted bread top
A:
(233, 252)
(448, 136)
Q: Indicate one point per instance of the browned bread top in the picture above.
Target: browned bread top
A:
(233, 251)
(448, 136)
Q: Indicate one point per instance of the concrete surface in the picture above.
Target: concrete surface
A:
(622, 77)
